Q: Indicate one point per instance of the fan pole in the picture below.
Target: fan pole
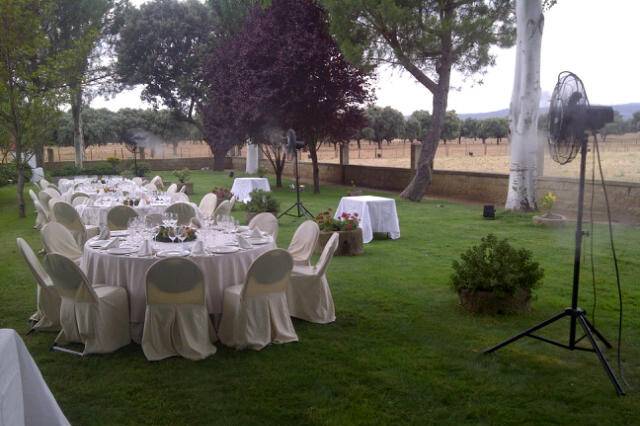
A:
(576, 314)
(302, 210)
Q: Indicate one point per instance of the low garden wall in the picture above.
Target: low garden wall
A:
(489, 188)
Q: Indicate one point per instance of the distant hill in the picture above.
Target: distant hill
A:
(626, 110)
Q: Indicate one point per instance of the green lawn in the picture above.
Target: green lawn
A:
(401, 350)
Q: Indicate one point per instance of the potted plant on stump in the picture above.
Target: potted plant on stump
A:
(350, 236)
(183, 180)
(549, 219)
(261, 201)
(494, 277)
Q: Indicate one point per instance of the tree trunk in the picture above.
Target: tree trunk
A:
(219, 155)
(422, 178)
(76, 113)
(20, 168)
(524, 107)
(314, 165)
(38, 151)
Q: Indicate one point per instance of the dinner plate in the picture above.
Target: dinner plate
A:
(99, 243)
(259, 241)
(224, 250)
(121, 250)
(120, 233)
(173, 253)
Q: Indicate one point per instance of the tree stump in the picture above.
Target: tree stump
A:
(349, 242)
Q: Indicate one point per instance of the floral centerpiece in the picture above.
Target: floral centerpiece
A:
(549, 218)
(349, 234)
(163, 234)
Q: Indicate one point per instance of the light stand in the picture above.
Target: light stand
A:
(300, 208)
(576, 314)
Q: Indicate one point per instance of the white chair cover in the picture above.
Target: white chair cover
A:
(78, 194)
(176, 321)
(47, 315)
(151, 187)
(223, 209)
(52, 202)
(78, 201)
(256, 314)
(172, 188)
(65, 214)
(304, 242)
(53, 192)
(157, 182)
(208, 204)
(44, 198)
(43, 183)
(184, 211)
(41, 215)
(137, 180)
(57, 239)
(118, 217)
(183, 189)
(96, 316)
(308, 294)
(179, 197)
(266, 222)
(232, 202)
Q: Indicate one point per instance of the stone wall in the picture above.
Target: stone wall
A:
(489, 188)
(165, 164)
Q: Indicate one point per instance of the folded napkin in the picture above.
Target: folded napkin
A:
(195, 222)
(104, 234)
(146, 249)
(115, 243)
(255, 233)
(243, 243)
(198, 248)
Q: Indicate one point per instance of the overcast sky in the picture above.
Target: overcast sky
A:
(596, 39)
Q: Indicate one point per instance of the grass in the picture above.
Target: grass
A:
(401, 350)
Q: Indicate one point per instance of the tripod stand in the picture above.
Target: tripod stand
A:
(575, 314)
(301, 210)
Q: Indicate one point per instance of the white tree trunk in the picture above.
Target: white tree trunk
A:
(525, 101)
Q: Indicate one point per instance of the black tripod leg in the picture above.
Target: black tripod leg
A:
(527, 332)
(286, 211)
(605, 364)
(598, 334)
(306, 211)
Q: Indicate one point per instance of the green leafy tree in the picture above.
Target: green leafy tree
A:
(89, 27)
(427, 38)
(424, 118)
(30, 80)
(451, 127)
(412, 129)
(387, 123)
(635, 122)
(469, 129)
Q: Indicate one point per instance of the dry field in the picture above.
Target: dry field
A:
(620, 155)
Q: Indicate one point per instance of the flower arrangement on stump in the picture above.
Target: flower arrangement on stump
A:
(346, 225)
(549, 218)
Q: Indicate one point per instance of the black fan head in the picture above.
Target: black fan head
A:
(566, 118)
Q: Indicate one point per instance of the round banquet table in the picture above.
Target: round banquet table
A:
(96, 214)
(128, 271)
(242, 187)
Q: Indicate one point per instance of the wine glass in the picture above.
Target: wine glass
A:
(171, 233)
(182, 235)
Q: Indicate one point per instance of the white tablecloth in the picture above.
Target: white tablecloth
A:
(25, 398)
(242, 187)
(220, 272)
(377, 214)
(97, 214)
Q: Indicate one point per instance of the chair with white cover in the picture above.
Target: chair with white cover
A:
(79, 201)
(94, 315)
(184, 211)
(308, 294)
(208, 204)
(53, 192)
(256, 314)
(266, 222)
(118, 217)
(179, 197)
(57, 239)
(65, 214)
(183, 189)
(151, 187)
(78, 194)
(44, 198)
(223, 209)
(43, 183)
(176, 320)
(232, 202)
(47, 315)
(157, 182)
(304, 242)
(42, 216)
(137, 180)
(172, 188)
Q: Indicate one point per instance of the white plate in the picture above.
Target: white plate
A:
(223, 250)
(99, 243)
(121, 250)
(120, 233)
(243, 228)
(259, 241)
(173, 253)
